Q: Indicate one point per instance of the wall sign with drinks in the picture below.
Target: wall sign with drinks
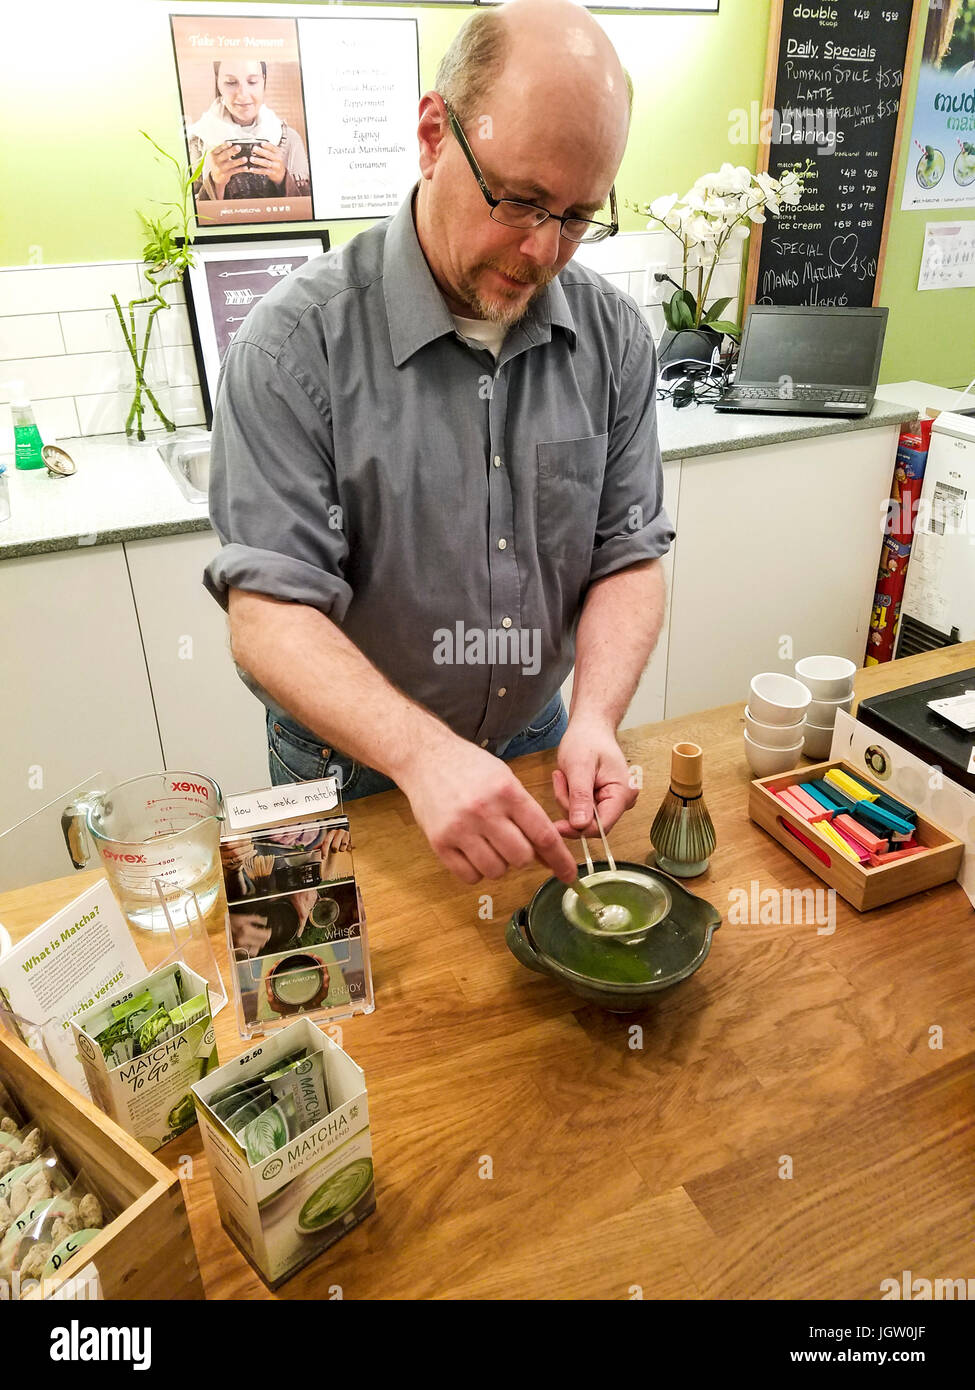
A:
(833, 95)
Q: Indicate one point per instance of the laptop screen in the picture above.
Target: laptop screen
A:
(813, 348)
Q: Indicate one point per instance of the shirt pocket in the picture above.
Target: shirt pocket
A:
(570, 484)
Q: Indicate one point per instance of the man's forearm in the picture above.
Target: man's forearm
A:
(618, 629)
(309, 667)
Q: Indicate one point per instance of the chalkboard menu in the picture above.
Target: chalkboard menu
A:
(833, 96)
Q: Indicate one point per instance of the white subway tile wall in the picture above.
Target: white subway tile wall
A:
(56, 332)
(57, 336)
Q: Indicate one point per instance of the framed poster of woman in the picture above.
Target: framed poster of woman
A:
(244, 114)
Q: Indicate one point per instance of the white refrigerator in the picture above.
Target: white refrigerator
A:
(938, 607)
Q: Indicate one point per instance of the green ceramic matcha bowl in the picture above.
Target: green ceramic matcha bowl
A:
(618, 976)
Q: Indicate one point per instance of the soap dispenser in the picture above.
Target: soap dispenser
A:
(27, 437)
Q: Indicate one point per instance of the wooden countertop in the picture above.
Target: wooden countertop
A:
(615, 1165)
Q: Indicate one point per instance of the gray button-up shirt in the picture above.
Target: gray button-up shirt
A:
(447, 510)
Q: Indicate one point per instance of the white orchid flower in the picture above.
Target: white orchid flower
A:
(660, 207)
(701, 229)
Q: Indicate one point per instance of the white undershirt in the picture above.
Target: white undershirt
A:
(481, 332)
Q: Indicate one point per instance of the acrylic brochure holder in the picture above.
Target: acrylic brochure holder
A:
(32, 849)
(189, 945)
(296, 926)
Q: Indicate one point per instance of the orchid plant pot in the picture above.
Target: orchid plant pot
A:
(688, 345)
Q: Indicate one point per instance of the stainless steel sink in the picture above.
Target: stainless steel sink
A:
(188, 460)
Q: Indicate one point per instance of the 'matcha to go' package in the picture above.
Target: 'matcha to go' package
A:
(142, 1050)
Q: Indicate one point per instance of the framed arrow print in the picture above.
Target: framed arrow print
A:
(230, 275)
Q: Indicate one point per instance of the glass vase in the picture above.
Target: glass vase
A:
(142, 379)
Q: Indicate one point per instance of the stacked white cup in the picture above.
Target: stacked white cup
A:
(829, 680)
(775, 722)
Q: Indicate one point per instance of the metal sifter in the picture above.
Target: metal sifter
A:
(627, 905)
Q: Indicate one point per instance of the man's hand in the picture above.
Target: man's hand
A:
(478, 817)
(591, 768)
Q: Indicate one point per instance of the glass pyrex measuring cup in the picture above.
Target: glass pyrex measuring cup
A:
(165, 828)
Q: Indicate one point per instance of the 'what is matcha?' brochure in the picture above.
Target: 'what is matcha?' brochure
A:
(80, 955)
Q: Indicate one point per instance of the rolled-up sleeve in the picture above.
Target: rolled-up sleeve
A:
(274, 500)
(633, 525)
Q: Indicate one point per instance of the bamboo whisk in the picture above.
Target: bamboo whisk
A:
(682, 832)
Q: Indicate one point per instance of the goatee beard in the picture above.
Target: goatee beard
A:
(506, 315)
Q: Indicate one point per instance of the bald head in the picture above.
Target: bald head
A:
(560, 41)
(548, 60)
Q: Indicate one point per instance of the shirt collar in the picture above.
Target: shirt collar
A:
(415, 308)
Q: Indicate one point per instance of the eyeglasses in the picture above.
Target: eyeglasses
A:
(511, 213)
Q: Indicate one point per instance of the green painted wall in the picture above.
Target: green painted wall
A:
(930, 335)
(82, 76)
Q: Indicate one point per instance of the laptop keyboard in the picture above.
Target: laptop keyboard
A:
(799, 393)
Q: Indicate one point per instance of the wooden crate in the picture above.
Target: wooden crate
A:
(862, 887)
(147, 1251)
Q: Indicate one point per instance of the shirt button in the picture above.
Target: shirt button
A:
(497, 460)
(485, 742)
(502, 692)
(502, 544)
(505, 622)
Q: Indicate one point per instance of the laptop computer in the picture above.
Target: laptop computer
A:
(800, 360)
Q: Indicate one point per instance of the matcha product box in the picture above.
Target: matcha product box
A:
(287, 1190)
(142, 1051)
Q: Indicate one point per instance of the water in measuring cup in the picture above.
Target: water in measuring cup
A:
(191, 875)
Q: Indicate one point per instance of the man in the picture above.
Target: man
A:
(442, 439)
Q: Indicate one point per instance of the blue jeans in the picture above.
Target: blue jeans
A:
(295, 756)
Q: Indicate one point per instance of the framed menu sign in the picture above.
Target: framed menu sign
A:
(833, 96)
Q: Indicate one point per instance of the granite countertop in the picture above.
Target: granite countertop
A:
(699, 429)
(122, 492)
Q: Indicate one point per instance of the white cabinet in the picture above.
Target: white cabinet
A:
(778, 544)
(76, 697)
(209, 721)
(648, 703)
